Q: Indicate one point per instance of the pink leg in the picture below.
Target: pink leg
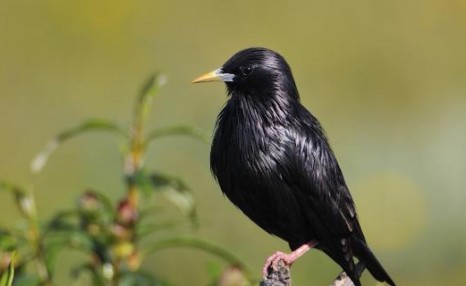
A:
(288, 259)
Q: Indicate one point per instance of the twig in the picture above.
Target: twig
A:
(342, 280)
(281, 276)
(278, 276)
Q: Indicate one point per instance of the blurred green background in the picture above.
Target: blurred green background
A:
(386, 79)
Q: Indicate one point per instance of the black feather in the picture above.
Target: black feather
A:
(273, 161)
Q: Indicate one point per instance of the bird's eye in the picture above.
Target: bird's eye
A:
(245, 70)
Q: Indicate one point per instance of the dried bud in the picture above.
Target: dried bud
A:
(122, 249)
(107, 271)
(134, 260)
(120, 232)
(232, 276)
(127, 214)
(89, 202)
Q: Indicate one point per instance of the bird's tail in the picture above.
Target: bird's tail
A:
(368, 260)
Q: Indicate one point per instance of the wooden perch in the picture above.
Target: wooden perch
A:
(342, 280)
(280, 276)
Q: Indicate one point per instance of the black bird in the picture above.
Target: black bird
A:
(272, 159)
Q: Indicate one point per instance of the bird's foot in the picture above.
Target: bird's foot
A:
(273, 260)
(288, 259)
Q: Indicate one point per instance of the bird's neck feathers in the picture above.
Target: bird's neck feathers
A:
(274, 105)
(266, 109)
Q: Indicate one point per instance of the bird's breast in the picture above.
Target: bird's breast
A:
(250, 165)
(256, 149)
(248, 150)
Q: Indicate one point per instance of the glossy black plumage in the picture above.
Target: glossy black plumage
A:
(273, 161)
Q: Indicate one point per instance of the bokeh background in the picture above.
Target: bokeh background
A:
(386, 78)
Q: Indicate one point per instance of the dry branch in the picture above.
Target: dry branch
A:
(280, 276)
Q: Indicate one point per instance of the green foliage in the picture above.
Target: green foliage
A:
(177, 192)
(90, 125)
(7, 277)
(177, 130)
(109, 233)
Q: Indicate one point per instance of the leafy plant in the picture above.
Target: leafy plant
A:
(109, 234)
(7, 277)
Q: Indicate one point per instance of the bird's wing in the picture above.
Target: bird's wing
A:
(317, 176)
(321, 190)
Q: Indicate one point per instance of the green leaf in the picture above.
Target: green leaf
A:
(214, 270)
(7, 187)
(24, 201)
(177, 192)
(75, 239)
(62, 221)
(143, 181)
(26, 279)
(203, 245)
(97, 276)
(190, 131)
(7, 277)
(90, 125)
(51, 254)
(58, 241)
(8, 241)
(144, 100)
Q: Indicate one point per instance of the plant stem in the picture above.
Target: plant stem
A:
(128, 209)
(35, 239)
(134, 160)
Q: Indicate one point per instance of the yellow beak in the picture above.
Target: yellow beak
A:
(216, 75)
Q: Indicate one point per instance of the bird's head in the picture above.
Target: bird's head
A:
(255, 71)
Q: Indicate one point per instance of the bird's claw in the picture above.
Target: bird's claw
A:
(274, 259)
